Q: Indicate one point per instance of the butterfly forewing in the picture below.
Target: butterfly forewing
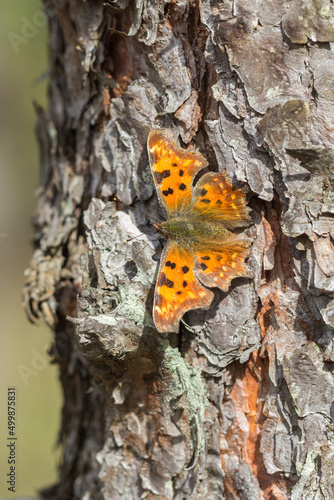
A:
(177, 290)
(174, 170)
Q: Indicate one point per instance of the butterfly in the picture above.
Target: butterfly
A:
(201, 250)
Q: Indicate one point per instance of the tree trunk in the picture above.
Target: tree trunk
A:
(238, 405)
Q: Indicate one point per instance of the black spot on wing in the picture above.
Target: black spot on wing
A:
(219, 202)
(205, 201)
(160, 176)
(184, 284)
(182, 187)
(168, 191)
(206, 257)
(170, 264)
(166, 281)
(178, 293)
(203, 192)
(174, 164)
(181, 172)
(185, 269)
(203, 266)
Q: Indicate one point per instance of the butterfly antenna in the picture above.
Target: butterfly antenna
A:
(114, 198)
(134, 237)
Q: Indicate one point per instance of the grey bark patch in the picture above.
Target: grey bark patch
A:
(303, 370)
(306, 21)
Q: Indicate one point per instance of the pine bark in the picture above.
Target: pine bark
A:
(239, 405)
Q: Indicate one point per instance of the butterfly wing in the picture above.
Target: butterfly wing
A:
(177, 289)
(173, 170)
(218, 264)
(214, 197)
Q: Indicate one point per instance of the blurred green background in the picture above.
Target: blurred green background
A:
(23, 60)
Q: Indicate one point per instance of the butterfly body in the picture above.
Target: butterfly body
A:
(201, 247)
(192, 231)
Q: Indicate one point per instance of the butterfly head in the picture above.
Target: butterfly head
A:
(160, 227)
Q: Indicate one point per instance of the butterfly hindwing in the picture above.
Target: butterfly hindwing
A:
(174, 169)
(217, 265)
(214, 197)
(178, 289)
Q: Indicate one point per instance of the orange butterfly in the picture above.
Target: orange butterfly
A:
(201, 249)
